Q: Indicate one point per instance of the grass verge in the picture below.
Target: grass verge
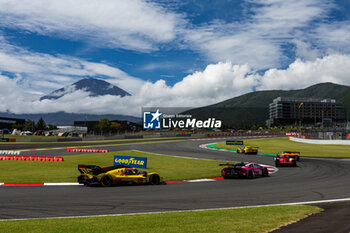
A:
(276, 145)
(171, 168)
(257, 219)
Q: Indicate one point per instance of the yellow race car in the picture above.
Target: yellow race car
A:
(120, 174)
(247, 150)
(291, 154)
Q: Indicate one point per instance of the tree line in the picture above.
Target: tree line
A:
(30, 125)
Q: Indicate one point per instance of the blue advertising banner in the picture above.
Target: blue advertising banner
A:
(4, 139)
(234, 142)
(130, 161)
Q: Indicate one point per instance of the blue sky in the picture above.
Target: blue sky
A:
(167, 52)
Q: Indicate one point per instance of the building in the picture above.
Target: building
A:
(7, 123)
(89, 124)
(296, 110)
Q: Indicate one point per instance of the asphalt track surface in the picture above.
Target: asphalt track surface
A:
(313, 180)
(36, 145)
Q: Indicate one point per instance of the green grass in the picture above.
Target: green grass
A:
(257, 219)
(171, 168)
(276, 145)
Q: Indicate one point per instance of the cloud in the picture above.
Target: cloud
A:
(235, 49)
(40, 73)
(305, 51)
(113, 23)
(217, 82)
(300, 74)
(259, 38)
(334, 36)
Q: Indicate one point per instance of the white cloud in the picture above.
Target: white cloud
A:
(305, 51)
(299, 74)
(334, 36)
(39, 72)
(259, 38)
(114, 23)
(217, 82)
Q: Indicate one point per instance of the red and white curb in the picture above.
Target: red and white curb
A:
(39, 184)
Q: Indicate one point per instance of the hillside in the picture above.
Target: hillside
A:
(253, 108)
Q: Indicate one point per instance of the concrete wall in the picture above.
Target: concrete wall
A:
(324, 142)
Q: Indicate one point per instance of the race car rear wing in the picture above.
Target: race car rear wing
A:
(291, 152)
(86, 169)
(226, 164)
(233, 164)
(95, 170)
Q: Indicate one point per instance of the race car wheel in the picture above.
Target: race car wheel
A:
(229, 173)
(154, 179)
(250, 175)
(106, 181)
(265, 172)
(87, 183)
(277, 164)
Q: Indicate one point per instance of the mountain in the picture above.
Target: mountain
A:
(96, 87)
(253, 108)
(64, 119)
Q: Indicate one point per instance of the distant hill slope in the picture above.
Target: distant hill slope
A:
(253, 108)
(64, 119)
(96, 87)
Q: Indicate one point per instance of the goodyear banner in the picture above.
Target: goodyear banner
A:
(130, 161)
(4, 139)
(234, 142)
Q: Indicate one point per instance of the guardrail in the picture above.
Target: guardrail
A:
(324, 142)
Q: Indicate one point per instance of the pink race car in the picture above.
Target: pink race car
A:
(244, 170)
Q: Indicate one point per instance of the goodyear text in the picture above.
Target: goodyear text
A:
(130, 161)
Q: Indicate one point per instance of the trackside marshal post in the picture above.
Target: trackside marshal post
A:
(130, 161)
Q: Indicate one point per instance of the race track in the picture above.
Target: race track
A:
(313, 179)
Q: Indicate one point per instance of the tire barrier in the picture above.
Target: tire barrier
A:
(9, 152)
(87, 150)
(32, 158)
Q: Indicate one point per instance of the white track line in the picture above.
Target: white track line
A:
(61, 184)
(184, 211)
(200, 180)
